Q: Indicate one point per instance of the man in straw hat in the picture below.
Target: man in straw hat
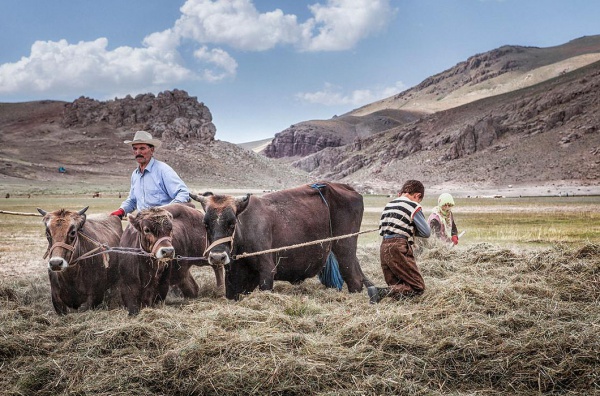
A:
(153, 183)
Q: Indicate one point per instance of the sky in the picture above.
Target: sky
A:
(262, 65)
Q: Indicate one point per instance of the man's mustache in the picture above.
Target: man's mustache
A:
(139, 156)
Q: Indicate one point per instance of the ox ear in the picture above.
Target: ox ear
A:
(241, 203)
(42, 211)
(133, 220)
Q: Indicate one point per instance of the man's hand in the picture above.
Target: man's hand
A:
(120, 212)
(455, 239)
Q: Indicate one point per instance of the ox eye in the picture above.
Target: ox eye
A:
(72, 233)
(146, 230)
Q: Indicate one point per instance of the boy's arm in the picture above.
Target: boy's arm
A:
(421, 227)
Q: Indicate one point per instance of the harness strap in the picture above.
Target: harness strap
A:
(159, 240)
(70, 248)
(318, 187)
(218, 242)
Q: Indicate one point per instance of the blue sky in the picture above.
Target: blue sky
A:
(262, 65)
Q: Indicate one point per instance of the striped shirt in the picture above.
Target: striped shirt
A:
(398, 218)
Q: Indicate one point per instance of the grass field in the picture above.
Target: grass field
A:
(514, 309)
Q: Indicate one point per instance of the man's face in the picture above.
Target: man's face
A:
(142, 153)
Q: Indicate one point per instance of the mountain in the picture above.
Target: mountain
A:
(548, 133)
(514, 116)
(86, 136)
(499, 71)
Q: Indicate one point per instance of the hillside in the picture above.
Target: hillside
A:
(511, 119)
(544, 135)
(488, 75)
(86, 138)
(499, 71)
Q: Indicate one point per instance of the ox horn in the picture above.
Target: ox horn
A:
(42, 211)
(82, 211)
(199, 198)
(241, 203)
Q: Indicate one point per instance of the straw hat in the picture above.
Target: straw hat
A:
(144, 137)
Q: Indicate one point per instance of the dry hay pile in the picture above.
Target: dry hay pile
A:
(493, 321)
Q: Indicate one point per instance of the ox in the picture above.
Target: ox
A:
(169, 233)
(78, 278)
(236, 225)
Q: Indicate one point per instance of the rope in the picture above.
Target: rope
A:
(244, 255)
(20, 214)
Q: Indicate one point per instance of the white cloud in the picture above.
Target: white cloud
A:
(67, 69)
(342, 23)
(332, 95)
(237, 24)
(336, 25)
(70, 68)
(224, 64)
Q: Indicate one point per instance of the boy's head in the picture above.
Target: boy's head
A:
(412, 187)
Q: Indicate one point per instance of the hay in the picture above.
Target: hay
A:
(492, 321)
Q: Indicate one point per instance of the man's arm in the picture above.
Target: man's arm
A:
(175, 187)
(128, 205)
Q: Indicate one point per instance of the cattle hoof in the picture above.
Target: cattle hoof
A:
(373, 294)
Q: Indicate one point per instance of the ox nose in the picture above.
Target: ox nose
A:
(57, 264)
(165, 252)
(218, 258)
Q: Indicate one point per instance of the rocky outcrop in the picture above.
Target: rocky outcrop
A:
(478, 136)
(301, 140)
(335, 164)
(170, 115)
(309, 137)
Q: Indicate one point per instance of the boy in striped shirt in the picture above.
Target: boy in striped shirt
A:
(402, 219)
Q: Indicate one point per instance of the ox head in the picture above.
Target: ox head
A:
(155, 231)
(220, 221)
(62, 227)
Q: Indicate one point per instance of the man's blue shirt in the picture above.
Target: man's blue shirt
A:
(157, 185)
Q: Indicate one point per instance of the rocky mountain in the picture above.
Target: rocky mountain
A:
(309, 137)
(86, 136)
(545, 133)
(492, 73)
(512, 116)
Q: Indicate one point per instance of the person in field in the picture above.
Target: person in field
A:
(401, 221)
(153, 183)
(441, 220)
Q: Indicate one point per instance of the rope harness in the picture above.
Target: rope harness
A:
(104, 249)
(100, 248)
(155, 247)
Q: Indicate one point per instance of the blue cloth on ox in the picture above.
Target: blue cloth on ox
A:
(330, 275)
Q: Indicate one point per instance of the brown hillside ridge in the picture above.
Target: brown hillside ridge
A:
(511, 138)
(546, 136)
(494, 73)
(86, 138)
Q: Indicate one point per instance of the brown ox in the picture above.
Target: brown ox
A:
(284, 218)
(75, 281)
(167, 232)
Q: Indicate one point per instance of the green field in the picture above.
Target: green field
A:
(523, 222)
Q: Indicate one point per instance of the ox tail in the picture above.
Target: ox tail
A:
(330, 275)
